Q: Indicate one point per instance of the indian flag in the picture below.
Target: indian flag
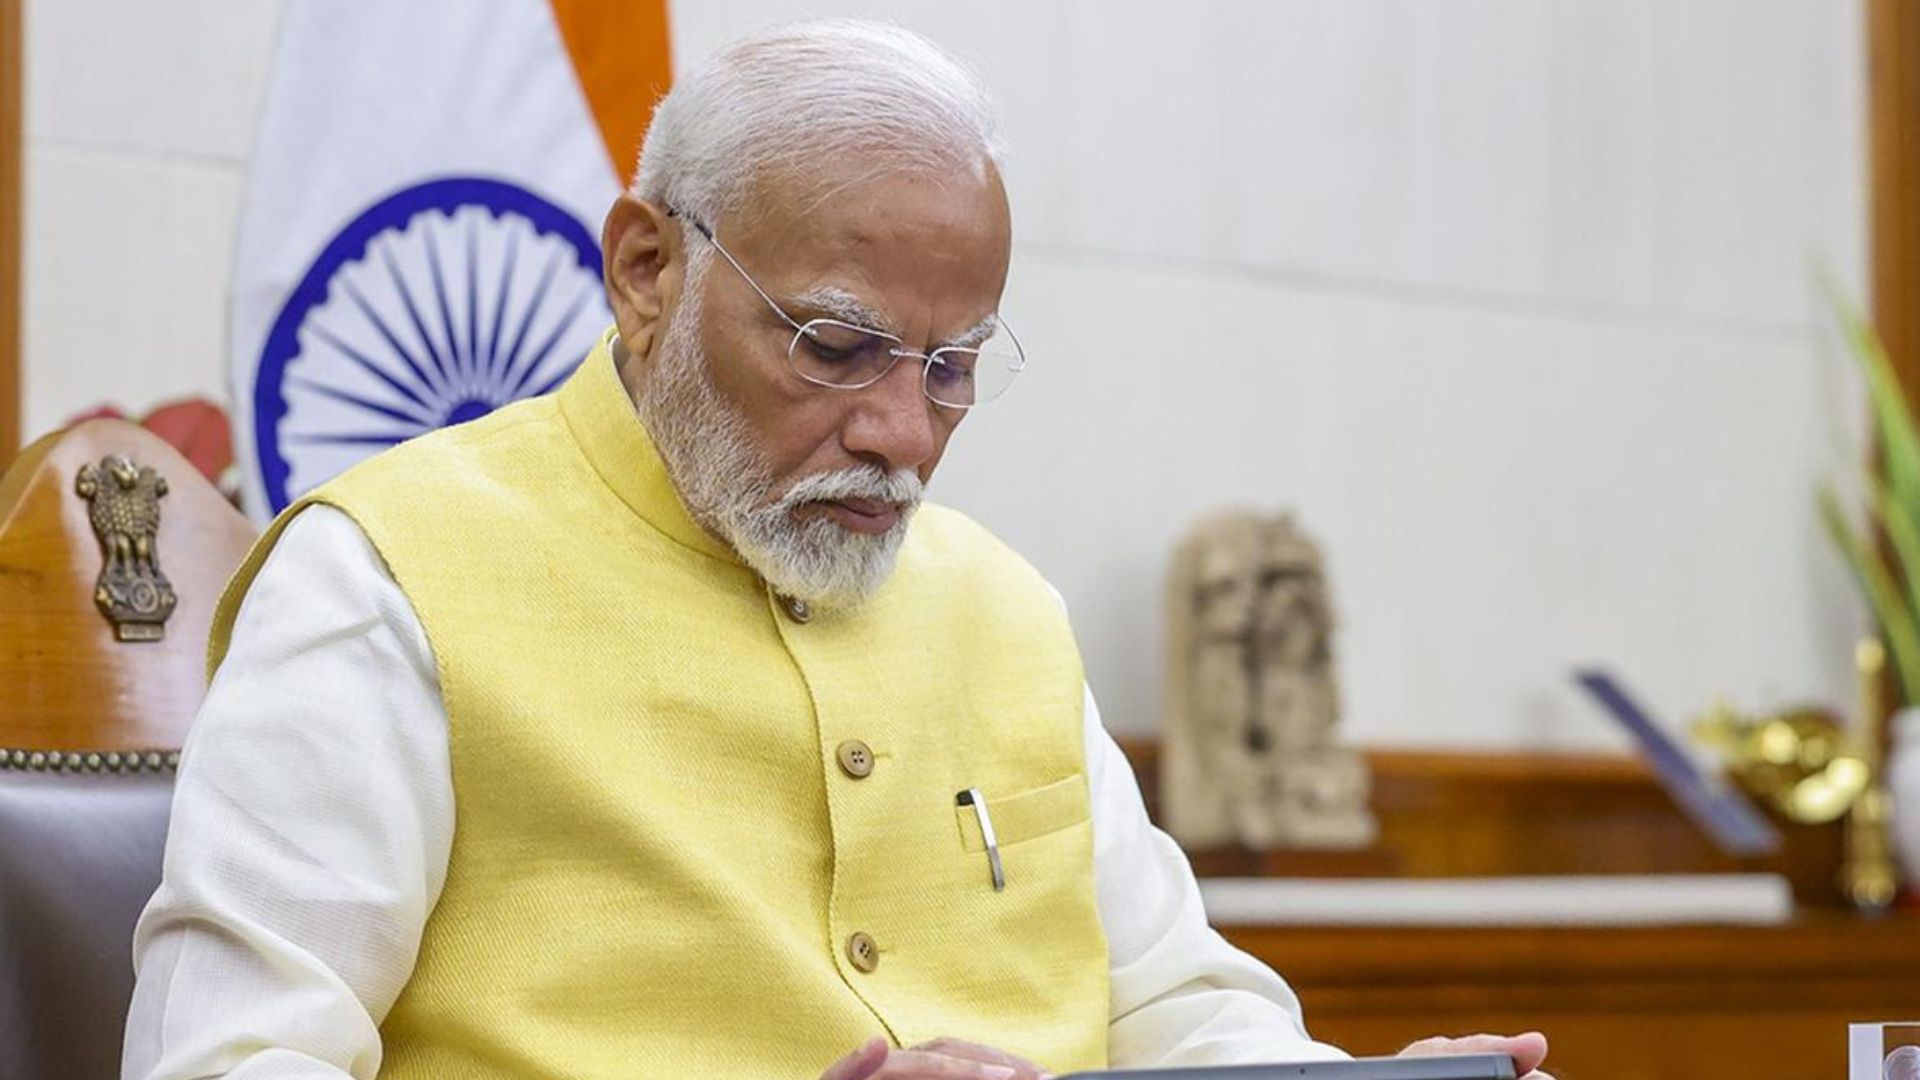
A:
(419, 243)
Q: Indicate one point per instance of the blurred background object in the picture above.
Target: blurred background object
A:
(418, 246)
(1253, 756)
(1799, 762)
(198, 428)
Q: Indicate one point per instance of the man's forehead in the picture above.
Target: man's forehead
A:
(860, 200)
(876, 247)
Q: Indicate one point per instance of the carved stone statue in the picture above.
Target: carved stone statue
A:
(1250, 753)
(123, 505)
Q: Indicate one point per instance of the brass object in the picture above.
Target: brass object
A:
(1868, 874)
(1799, 762)
(123, 505)
(1811, 769)
(91, 761)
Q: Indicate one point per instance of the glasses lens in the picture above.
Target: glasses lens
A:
(834, 353)
(967, 377)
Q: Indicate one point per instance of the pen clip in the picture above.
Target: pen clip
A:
(972, 797)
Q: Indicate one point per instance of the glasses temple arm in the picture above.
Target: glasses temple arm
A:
(701, 227)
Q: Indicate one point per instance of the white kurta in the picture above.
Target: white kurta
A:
(315, 809)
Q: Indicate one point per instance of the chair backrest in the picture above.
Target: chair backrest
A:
(71, 677)
(113, 552)
(79, 856)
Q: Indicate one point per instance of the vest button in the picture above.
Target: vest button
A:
(862, 950)
(797, 609)
(856, 758)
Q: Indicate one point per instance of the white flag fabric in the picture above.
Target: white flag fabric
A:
(419, 243)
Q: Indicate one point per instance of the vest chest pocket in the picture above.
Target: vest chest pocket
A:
(1025, 815)
(1026, 908)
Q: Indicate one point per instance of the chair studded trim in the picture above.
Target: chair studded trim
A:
(126, 762)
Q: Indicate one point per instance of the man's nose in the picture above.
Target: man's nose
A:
(892, 420)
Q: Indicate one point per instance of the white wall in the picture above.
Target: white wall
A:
(1507, 300)
(139, 118)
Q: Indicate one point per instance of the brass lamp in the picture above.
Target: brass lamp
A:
(1810, 768)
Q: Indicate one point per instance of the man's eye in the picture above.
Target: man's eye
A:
(840, 346)
(952, 369)
(832, 354)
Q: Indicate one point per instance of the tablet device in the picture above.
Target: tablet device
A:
(1455, 1067)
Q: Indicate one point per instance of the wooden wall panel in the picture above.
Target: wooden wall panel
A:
(1618, 1003)
(1893, 116)
(12, 54)
(1491, 815)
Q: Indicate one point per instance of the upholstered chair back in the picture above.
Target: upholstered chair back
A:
(113, 550)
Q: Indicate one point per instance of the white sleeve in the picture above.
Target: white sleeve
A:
(311, 825)
(1181, 995)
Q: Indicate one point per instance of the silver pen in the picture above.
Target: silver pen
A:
(972, 797)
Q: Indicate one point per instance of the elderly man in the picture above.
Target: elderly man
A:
(655, 728)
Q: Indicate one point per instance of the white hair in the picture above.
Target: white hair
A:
(801, 96)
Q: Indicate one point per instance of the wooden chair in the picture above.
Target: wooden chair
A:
(113, 552)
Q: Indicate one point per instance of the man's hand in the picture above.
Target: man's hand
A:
(1527, 1050)
(941, 1059)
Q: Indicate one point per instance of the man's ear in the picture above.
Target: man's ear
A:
(643, 268)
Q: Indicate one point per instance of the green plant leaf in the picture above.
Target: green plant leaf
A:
(1897, 522)
(1898, 442)
(1890, 607)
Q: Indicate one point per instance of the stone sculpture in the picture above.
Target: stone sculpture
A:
(1251, 757)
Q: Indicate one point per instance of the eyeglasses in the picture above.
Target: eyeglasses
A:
(840, 355)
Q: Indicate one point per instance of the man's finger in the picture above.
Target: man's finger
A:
(927, 1065)
(971, 1051)
(864, 1062)
(1527, 1049)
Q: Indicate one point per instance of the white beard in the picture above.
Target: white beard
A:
(729, 488)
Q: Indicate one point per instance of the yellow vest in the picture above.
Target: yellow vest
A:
(663, 851)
